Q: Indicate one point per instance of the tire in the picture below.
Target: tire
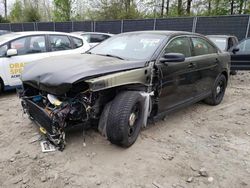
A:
(1, 86)
(233, 72)
(218, 91)
(125, 118)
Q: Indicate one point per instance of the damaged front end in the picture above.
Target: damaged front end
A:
(54, 114)
(81, 103)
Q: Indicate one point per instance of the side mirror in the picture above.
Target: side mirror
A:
(11, 52)
(172, 57)
(236, 49)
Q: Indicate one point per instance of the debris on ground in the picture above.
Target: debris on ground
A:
(203, 172)
(210, 179)
(190, 179)
(47, 146)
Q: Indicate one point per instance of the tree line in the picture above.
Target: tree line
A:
(72, 10)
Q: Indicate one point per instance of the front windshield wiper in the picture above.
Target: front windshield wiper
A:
(110, 55)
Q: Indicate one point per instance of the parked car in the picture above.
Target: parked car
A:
(240, 55)
(225, 43)
(94, 38)
(2, 32)
(18, 49)
(124, 81)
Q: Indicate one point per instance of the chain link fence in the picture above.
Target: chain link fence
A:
(237, 25)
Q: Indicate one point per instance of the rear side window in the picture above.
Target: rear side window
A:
(59, 42)
(202, 47)
(179, 45)
(28, 45)
(77, 42)
(94, 38)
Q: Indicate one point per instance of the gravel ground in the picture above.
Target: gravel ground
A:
(199, 146)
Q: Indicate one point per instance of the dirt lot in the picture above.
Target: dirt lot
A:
(200, 146)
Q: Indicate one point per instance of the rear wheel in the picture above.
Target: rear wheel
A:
(125, 118)
(218, 91)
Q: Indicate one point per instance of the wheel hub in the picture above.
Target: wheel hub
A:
(132, 119)
(218, 90)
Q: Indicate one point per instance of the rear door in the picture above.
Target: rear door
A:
(240, 60)
(205, 57)
(177, 83)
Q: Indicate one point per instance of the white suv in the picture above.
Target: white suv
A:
(20, 48)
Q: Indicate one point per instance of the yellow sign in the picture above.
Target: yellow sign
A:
(16, 69)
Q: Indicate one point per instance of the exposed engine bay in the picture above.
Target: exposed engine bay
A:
(55, 114)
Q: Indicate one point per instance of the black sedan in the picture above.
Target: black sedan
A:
(124, 81)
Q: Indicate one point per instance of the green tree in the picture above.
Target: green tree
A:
(63, 10)
(16, 13)
(31, 14)
(114, 9)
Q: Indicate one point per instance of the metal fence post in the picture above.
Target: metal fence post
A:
(94, 25)
(22, 27)
(9, 26)
(247, 30)
(34, 26)
(154, 24)
(121, 26)
(194, 24)
(72, 26)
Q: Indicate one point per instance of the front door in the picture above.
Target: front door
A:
(176, 85)
(27, 49)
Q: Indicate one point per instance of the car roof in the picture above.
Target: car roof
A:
(164, 32)
(9, 36)
(221, 36)
(98, 33)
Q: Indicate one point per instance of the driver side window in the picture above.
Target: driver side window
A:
(179, 45)
(3, 50)
(244, 46)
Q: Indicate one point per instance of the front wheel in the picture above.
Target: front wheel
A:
(1, 86)
(218, 91)
(125, 118)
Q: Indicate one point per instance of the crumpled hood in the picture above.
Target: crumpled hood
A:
(57, 74)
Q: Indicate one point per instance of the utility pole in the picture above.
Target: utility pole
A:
(167, 8)
(232, 6)
(5, 8)
(162, 8)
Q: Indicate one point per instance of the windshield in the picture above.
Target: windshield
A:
(221, 43)
(130, 46)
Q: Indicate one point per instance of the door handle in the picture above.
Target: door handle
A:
(191, 65)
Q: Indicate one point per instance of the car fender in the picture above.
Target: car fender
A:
(3, 77)
(136, 76)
